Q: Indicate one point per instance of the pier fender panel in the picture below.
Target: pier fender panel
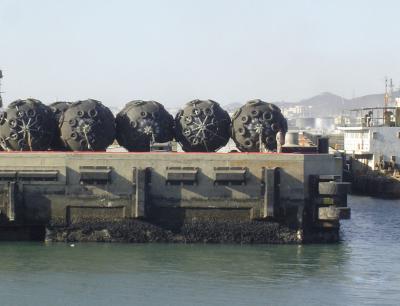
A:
(95, 174)
(313, 196)
(271, 180)
(332, 213)
(329, 213)
(333, 188)
(9, 201)
(181, 175)
(38, 175)
(328, 198)
(139, 196)
(230, 175)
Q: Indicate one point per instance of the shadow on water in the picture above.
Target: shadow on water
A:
(266, 263)
(361, 270)
(175, 274)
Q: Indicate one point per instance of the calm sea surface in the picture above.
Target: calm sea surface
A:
(364, 269)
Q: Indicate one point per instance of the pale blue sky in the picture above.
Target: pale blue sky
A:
(175, 51)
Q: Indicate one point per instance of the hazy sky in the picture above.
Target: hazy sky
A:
(174, 51)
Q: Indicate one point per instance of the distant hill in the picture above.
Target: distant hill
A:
(325, 104)
(329, 104)
(369, 100)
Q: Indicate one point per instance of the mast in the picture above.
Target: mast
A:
(386, 94)
(391, 87)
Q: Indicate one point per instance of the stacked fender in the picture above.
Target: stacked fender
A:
(87, 126)
(27, 125)
(255, 125)
(141, 123)
(202, 126)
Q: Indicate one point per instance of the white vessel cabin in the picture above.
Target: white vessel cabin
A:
(374, 138)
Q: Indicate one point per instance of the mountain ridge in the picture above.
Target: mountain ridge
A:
(330, 104)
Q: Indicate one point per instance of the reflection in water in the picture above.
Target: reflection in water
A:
(363, 269)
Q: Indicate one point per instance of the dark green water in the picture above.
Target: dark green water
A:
(364, 269)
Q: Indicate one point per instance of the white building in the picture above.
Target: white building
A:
(374, 140)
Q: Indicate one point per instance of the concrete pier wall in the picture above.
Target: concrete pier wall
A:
(167, 189)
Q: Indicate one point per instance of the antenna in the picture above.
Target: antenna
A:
(391, 87)
(386, 93)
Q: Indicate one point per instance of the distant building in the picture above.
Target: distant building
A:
(325, 124)
(343, 120)
(296, 111)
(305, 123)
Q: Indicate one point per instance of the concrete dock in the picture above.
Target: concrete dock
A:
(186, 197)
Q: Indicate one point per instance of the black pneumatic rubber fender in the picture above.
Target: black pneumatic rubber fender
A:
(202, 126)
(27, 125)
(141, 123)
(87, 126)
(257, 121)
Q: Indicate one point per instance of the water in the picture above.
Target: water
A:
(364, 269)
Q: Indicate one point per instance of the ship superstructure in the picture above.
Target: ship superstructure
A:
(374, 134)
